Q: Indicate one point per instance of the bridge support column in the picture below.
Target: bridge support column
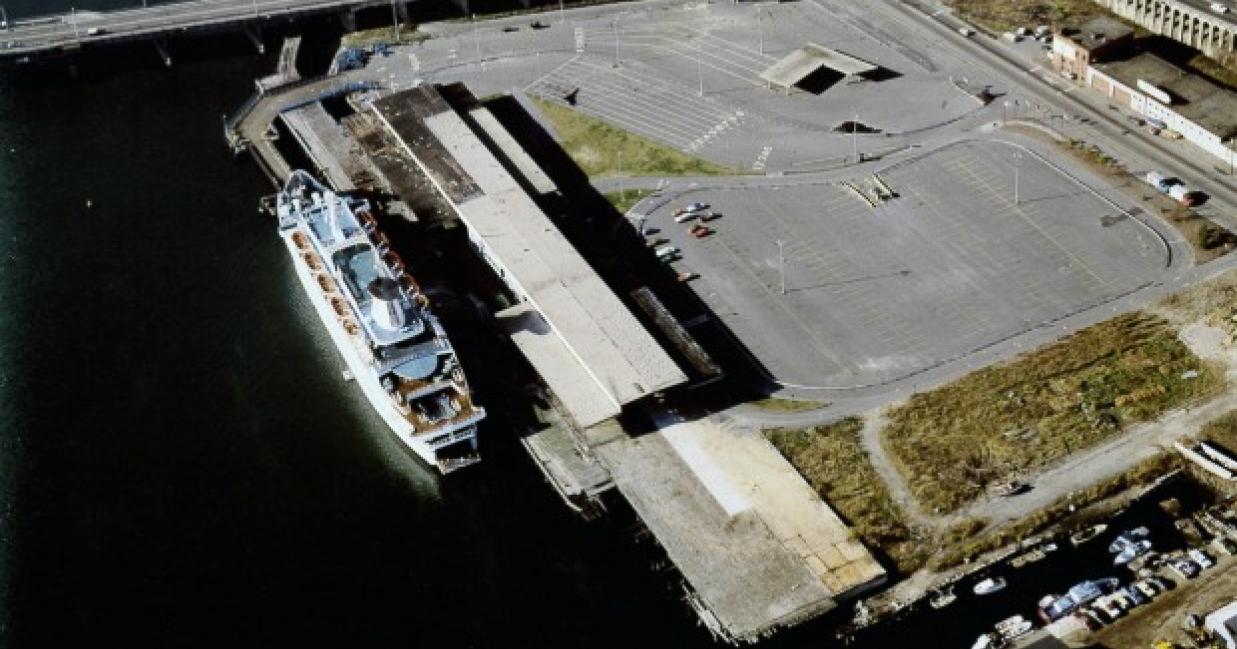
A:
(463, 6)
(255, 36)
(348, 18)
(401, 12)
(161, 47)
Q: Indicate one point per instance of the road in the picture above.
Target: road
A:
(27, 36)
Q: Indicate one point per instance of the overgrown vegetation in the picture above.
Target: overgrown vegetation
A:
(1004, 15)
(367, 37)
(1223, 431)
(1004, 420)
(625, 200)
(604, 150)
(778, 404)
(832, 460)
(1211, 236)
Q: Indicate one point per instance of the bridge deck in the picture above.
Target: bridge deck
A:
(27, 36)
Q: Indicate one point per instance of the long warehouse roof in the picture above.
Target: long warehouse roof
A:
(584, 319)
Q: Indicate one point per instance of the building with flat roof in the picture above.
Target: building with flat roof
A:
(1201, 111)
(584, 342)
(1100, 39)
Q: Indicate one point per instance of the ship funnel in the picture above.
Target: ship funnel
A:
(386, 303)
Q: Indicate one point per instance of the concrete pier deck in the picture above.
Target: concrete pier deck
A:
(757, 546)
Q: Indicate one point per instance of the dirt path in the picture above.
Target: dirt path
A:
(870, 437)
(1140, 442)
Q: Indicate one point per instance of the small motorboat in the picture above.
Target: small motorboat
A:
(942, 598)
(1014, 627)
(989, 585)
(1089, 534)
(989, 641)
(1131, 552)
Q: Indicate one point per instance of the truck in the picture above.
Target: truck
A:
(1159, 181)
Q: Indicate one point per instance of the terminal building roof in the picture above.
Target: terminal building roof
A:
(584, 342)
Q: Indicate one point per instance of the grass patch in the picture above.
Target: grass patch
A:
(1004, 15)
(1007, 419)
(832, 460)
(777, 404)
(623, 201)
(367, 37)
(1223, 431)
(604, 150)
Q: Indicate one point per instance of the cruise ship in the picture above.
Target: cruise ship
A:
(379, 319)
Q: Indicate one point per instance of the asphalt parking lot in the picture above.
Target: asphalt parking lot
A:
(949, 266)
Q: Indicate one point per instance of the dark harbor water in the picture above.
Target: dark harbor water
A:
(181, 462)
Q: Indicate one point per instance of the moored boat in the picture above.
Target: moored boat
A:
(395, 347)
(989, 585)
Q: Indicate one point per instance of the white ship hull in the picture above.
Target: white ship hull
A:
(349, 347)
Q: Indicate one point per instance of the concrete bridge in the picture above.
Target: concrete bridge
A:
(1191, 22)
(21, 39)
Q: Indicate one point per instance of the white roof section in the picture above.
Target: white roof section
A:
(573, 386)
(523, 162)
(799, 64)
(582, 316)
(1223, 622)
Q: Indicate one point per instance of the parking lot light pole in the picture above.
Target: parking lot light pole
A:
(854, 137)
(4, 18)
(1017, 167)
(699, 71)
(760, 28)
(616, 42)
(562, 14)
(781, 264)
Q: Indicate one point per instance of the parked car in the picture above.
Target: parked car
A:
(684, 217)
(1136, 597)
(1198, 556)
(1219, 7)
(666, 251)
(1145, 587)
(1161, 583)
(1109, 607)
(1184, 568)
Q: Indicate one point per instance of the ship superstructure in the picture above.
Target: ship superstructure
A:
(380, 321)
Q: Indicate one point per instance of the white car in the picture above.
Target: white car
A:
(666, 252)
(1219, 7)
(1201, 558)
(1184, 568)
(684, 217)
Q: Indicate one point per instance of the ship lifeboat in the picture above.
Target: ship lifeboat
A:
(341, 309)
(325, 283)
(393, 262)
(367, 221)
(409, 284)
(381, 242)
(311, 260)
(300, 240)
(351, 327)
(423, 301)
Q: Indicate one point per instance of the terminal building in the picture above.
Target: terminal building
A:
(584, 342)
(1100, 57)
(755, 546)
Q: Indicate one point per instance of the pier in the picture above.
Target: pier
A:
(24, 38)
